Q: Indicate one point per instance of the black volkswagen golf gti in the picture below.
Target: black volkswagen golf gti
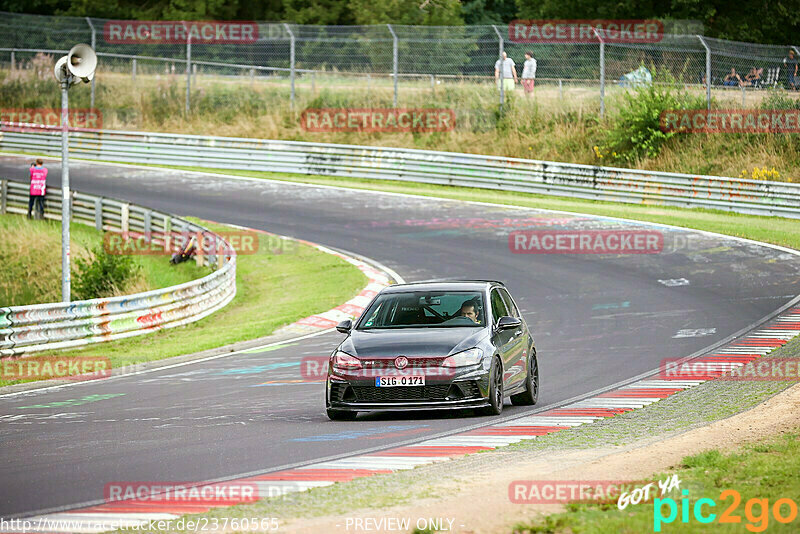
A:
(434, 345)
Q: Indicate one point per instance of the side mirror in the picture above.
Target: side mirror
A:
(507, 322)
(345, 326)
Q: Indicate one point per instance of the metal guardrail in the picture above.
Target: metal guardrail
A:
(25, 329)
(420, 166)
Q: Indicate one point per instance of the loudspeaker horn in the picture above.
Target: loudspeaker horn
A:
(82, 61)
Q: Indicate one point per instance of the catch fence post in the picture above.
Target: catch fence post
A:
(708, 71)
(395, 59)
(602, 73)
(3, 196)
(94, 47)
(291, 58)
(502, 66)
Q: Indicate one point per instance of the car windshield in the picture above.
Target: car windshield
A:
(415, 309)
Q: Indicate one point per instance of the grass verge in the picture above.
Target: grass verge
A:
(30, 255)
(760, 474)
(272, 290)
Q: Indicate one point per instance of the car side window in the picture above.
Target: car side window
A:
(498, 306)
(512, 308)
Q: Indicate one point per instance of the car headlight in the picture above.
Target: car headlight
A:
(344, 362)
(464, 358)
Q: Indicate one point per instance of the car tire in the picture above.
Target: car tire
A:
(530, 396)
(495, 390)
(341, 415)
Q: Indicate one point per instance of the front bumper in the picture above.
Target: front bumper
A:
(466, 389)
(409, 406)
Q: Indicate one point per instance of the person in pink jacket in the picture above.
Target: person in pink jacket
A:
(38, 188)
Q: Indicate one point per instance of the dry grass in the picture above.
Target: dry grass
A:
(556, 124)
(30, 253)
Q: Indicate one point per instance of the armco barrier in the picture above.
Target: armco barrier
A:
(25, 329)
(486, 172)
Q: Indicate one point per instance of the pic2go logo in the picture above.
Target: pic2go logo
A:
(757, 511)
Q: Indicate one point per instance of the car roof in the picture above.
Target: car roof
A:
(444, 285)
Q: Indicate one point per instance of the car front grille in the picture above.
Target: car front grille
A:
(413, 363)
(411, 393)
(462, 390)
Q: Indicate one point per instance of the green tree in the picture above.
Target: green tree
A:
(485, 12)
(159, 10)
(410, 12)
(760, 21)
(331, 12)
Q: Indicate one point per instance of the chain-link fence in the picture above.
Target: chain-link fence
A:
(403, 60)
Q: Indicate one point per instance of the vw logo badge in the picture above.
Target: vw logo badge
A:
(401, 362)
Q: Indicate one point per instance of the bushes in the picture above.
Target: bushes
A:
(104, 274)
(635, 131)
(778, 99)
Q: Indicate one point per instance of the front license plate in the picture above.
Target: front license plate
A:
(397, 381)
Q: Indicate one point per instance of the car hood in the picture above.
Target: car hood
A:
(412, 342)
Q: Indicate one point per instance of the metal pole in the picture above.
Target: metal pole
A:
(133, 70)
(395, 56)
(188, 69)
(743, 97)
(708, 72)
(560, 90)
(65, 196)
(602, 73)
(94, 47)
(3, 196)
(502, 65)
(13, 60)
(291, 57)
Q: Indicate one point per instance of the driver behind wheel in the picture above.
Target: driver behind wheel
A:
(467, 312)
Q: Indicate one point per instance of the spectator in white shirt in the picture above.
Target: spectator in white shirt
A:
(509, 73)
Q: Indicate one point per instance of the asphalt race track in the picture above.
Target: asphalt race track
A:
(597, 319)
